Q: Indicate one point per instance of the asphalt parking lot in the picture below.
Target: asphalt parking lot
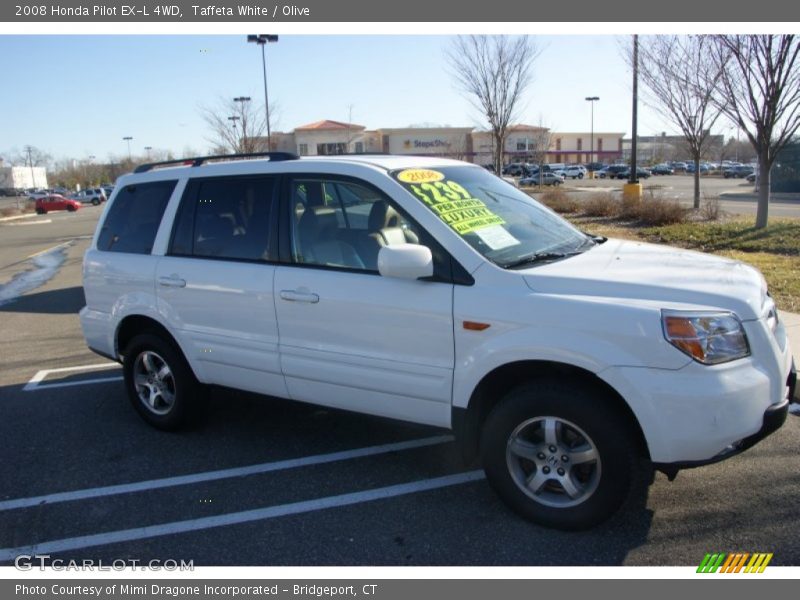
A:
(735, 196)
(267, 482)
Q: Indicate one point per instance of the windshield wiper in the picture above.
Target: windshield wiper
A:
(537, 257)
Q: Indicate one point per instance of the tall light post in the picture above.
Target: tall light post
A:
(633, 189)
(262, 40)
(241, 100)
(128, 139)
(233, 120)
(147, 149)
(591, 100)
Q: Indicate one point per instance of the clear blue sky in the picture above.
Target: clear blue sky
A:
(75, 96)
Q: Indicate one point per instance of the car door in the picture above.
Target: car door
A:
(215, 285)
(349, 337)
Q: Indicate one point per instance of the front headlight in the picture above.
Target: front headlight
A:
(708, 337)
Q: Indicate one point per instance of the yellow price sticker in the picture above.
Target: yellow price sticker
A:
(419, 176)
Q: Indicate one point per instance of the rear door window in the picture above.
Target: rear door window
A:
(225, 218)
(134, 217)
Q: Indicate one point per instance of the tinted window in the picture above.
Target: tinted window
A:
(133, 219)
(225, 217)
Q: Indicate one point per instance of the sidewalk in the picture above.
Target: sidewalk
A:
(792, 323)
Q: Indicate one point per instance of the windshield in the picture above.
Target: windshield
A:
(504, 224)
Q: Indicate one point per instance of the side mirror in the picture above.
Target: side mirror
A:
(405, 261)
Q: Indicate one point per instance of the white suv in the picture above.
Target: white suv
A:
(574, 172)
(432, 291)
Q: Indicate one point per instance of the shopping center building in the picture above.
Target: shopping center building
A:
(527, 143)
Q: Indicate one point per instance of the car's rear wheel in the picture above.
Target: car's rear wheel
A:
(95, 201)
(159, 382)
(41, 211)
(559, 454)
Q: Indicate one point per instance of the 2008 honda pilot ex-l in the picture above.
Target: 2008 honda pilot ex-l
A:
(432, 291)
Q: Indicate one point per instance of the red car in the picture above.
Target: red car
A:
(55, 202)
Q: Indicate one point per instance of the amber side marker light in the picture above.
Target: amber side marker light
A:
(475, 326)
(682, 334)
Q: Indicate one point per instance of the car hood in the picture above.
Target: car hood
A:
(639, 271)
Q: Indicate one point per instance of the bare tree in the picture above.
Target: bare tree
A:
(494, 72)
(235, 126)
(32, 156)
(679, 76)
(759, 90)
(539, 142)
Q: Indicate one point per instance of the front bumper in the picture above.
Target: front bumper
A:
(774, 418)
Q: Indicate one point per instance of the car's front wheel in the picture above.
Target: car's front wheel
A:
(159, 382)
(559, 454)
(95, 201)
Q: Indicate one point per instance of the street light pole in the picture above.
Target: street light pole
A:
(147, 149)
(591, 100)
(128, 139)
(633, 189)
(262, 40)
(241, 100)
(233, 120)
(633, 176)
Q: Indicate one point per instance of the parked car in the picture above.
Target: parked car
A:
(35, 195)
(752, 178)
(431, 291)
(678, 166)
(53, 202)
(574, 172)
(543, 178)
(703, 168)
(738, 171)
(641, 173)
(662, 169)
(92, 196)
(611, 171)
(514, 169)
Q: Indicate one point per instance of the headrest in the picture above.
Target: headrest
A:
(316, 219)
(382, 215)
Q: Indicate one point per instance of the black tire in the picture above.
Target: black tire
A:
(41, 211)
(580, 175)
(95, 201)
(70, 209)
(583, 414)
(181, 384)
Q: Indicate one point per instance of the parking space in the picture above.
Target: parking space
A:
(260, 481)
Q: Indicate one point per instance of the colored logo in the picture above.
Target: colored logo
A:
(419, 176)
(736, 562)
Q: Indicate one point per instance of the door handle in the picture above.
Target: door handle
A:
(295, 296)
(172, 281)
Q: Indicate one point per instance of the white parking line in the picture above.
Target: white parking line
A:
(153, 484)
(36, 380)
(21, 223)
(248, 516)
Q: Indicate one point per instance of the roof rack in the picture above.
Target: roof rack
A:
(199, 160)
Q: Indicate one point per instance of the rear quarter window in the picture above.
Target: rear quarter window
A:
(133, 219)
